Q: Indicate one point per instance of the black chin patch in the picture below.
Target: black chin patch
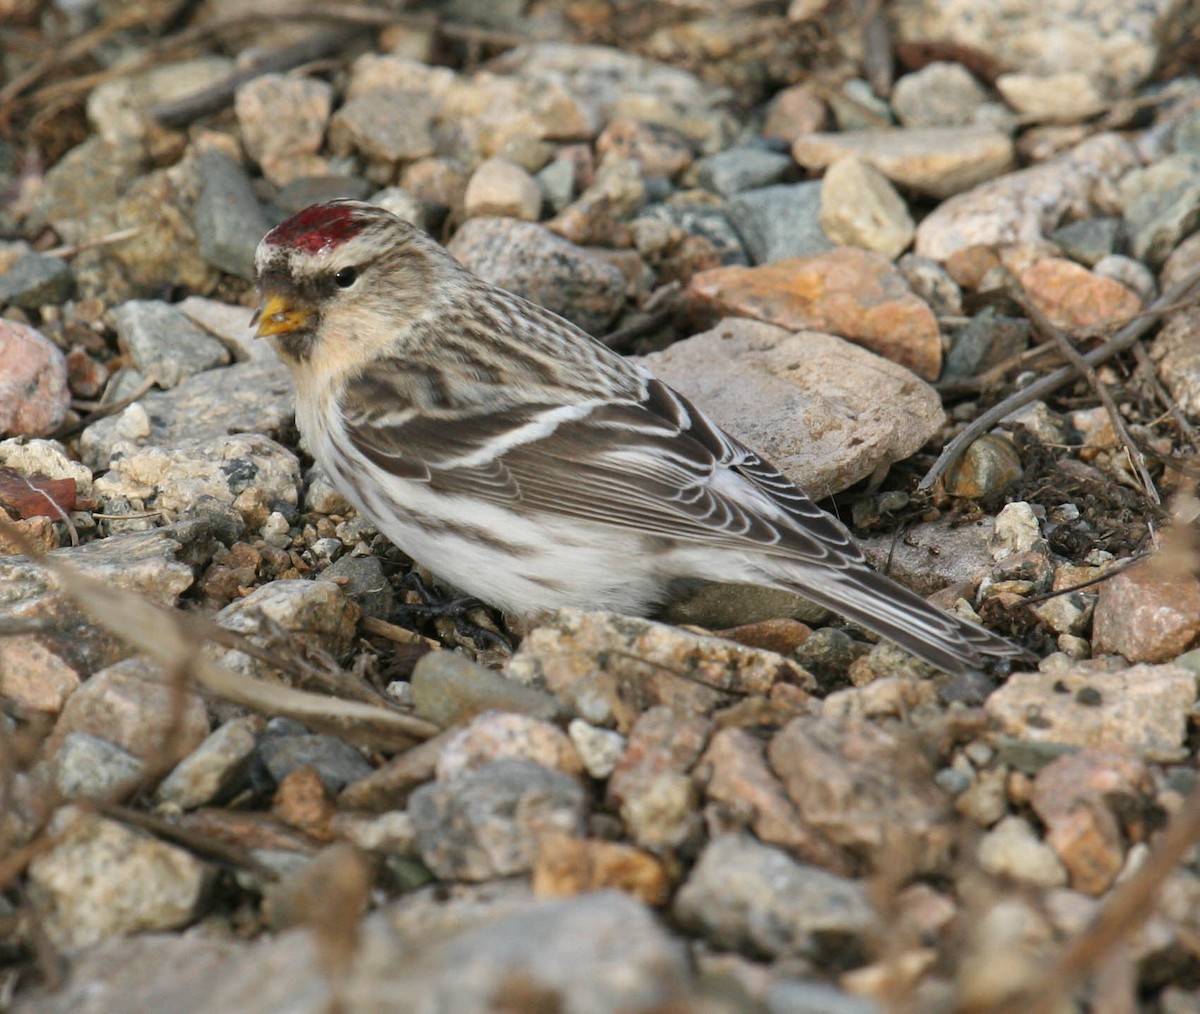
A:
(296, 345)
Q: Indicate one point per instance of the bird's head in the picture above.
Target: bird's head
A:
(338, 281)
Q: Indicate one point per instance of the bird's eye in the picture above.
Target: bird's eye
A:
(346, 277)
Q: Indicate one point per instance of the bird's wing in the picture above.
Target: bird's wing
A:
(654, 464)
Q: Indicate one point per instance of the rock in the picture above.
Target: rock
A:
(88, 767)
(794, 111)
(748, 896)
(716, 606)
(1016, 531)
(739, 782)
(1065, 97)
(409, 207)
(1115, 49)
(660, 151)
(780, 221)
(282, 119)
(612, 668)
(164, 344)
(244, 398)
(1132, 274)
(245, 470)
(363, 580)
(498, 187)
(305, 190)
(118, 108)
(987, 341)
(935, 554)
(1075, 299)
(937, 161)
(69, 644)
(854, 293)
(161, 253)
(651, 786)
(214, 768)
(1149, 612)
(1012, 849)
(940, 94)
(369, 125)
(229, 220)
(1143, 708)
(1090, 239)
(494, 735)
(1178, 358)
(865, 787)
(336, 763)
(449, 689)
(1083, 798)
(987, 466)
(35, 280)
(557, 183)
(45, 457)
(701, 219)
(856, 107)
(791, 996)
(487, 823)
(568, 866)
(34, 395)
(603, 953)
(101, 878)
(598, 749)
(89, 176)
(136, 707)
(736, 170)
(35, 676)
(531, 261)
(859, 207)
(1021, 207)
(229, 324)
(1162, 205)
(315, 613)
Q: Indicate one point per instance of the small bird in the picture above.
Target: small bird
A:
(527, 463)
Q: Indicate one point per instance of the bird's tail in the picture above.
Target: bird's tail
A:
(890, 610)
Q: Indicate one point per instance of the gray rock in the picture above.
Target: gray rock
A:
(314, 613)
(988, 340)
(369, 124)
(932, 282)
(89, 176)
(88, 767)
(1131, 273)
(251, 397)
(164, 344)
(404, 205)
(300, 193)
(855, 106)
(557, 181)
(940, 94)
(704, 218)
(229, 220)
(600, 953)
(336, 762)
(826, 412)
(214, 768)
(117, 107)
(102, 878)
(599, 749)
(36, 280)
(282, 118)
(744, 895)
(245, 469)
(533, 262)
(488, 823)
(1161, 205)
(1090, 239)
(365, 583)
(780, 221)
(734, 170)
(449, 689)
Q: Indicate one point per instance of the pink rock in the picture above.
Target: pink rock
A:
(34, 396)
(1148, 613)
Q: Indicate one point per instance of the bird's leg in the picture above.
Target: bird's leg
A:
(435, 606)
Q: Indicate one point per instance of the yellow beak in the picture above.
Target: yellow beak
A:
(277, 316)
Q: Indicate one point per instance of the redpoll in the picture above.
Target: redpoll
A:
(528, 464)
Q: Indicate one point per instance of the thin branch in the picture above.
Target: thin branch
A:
(1122, 340)
(1173, 410)
(1060, 338)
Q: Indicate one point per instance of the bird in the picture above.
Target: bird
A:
(529, 465)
